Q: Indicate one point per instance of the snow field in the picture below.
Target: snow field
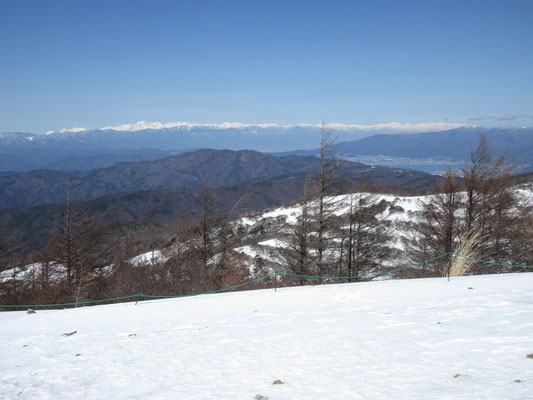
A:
(400, 339)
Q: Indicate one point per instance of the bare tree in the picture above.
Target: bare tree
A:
(521, 251)
(366, 235)
(297, 253)
(12, 258)
(439, 227)
(524, 250)
(487, 189)
(492, 205)
(177, 252)
(206, 245)
(474, 178)
(484, 204)
(323, 204)
(226, 264)
(3, 250)
(76, 249)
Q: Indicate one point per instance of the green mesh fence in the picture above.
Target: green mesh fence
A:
(140, 296)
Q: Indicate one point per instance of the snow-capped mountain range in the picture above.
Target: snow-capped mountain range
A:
(390, 126)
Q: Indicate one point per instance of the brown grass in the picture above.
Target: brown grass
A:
(470, 247)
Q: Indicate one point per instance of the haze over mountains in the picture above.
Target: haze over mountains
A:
(78, 149)
(23, 151)
(430, 150)
(216, 167)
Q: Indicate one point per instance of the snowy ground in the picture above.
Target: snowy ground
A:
(402, 339)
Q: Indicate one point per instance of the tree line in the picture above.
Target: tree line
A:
(81, 263)
(479, 202)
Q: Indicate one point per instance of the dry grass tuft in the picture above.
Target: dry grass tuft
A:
(470, 247)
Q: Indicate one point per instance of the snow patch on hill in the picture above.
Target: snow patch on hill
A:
(149, 258)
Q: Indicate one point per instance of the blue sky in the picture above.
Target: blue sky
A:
(98, 63)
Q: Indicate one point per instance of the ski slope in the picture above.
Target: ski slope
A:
(401, 339)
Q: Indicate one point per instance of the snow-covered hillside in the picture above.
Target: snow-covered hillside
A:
(265, 230)
(405, 339)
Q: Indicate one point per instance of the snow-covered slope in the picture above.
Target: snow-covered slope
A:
(418, 339)
(401, 212)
